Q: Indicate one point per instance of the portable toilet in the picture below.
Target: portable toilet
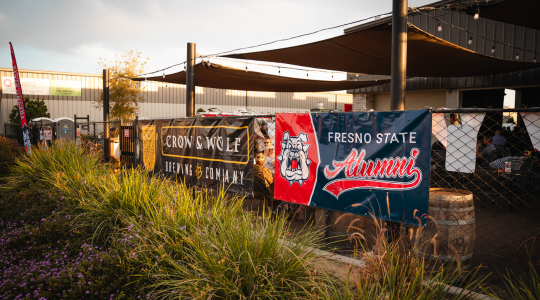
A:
(65, 128)
(42, 131)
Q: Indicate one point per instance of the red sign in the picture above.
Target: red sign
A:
(7, 82)
(126, 132)
(20, 103)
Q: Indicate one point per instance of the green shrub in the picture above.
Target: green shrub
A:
(9, 150)
(42, 256)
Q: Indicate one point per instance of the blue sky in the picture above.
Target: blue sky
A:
(72, 35)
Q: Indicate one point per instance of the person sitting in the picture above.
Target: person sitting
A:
(263, 179)
(487, 152)
(498, 140)
(270, 155)
(264, 128)
(454, 119)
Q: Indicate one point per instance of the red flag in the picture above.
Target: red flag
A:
(20, 103)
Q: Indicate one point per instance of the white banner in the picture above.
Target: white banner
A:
(438, 127)
(473, 119)
(30, 86)
(532, 122)
(461, 149)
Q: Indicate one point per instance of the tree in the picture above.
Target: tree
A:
(124, 95)
(33, 108)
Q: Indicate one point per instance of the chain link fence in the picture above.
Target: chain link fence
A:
(92, 136)
(485, 186)
(484, 204)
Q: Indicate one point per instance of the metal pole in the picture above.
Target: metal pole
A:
(399, 55)
(75, 127)
(135, 140)
(106, 144)
(190, 81)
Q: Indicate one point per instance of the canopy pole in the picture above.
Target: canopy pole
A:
(106, 131)
(399, 55)
(190, 80)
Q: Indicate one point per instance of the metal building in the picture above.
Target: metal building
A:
(163, 100)
(463, 30)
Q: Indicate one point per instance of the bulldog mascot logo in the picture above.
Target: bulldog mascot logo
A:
(294, 161)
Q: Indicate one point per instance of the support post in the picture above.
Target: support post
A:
(190, 80)
(75, 128)
(399, 55)
(135, 141)
(106, 142)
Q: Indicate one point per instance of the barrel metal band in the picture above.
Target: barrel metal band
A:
(446, 258)
(454, 223)
(450, 209)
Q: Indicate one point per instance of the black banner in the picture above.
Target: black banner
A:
(205, 152)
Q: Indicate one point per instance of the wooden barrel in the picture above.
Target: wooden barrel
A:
(453, 211)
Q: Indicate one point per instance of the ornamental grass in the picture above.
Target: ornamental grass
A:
(73, 228)
(170, 240)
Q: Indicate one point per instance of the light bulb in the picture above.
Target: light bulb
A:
(184, 67)
(216, 89)
(163, 74)
(493, 50)
(470, 41)
(477, 14)
(439, 27)
(279, 71)
(307, 74)
(534, 59)
(332, 76)
(166, 86)
(246, 68)
(517, 55)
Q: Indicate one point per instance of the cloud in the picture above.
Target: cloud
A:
(88, 29)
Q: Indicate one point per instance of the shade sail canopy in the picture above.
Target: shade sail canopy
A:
(369, 51)
(222, 77)
(518, 12)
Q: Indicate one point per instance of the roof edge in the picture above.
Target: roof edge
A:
(51, 72)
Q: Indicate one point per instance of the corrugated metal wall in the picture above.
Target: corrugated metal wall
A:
(167, 100)
(518, 36)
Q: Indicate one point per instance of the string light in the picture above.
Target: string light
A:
(517, 55)
(184, 67)
(305, 34)
(270, 65)
(246, 68)
(477, 14)
(470, 32)
(307, 74)
(163, 74)
(469, 41)
(279, 71)
(439, 27)
(493, 50)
